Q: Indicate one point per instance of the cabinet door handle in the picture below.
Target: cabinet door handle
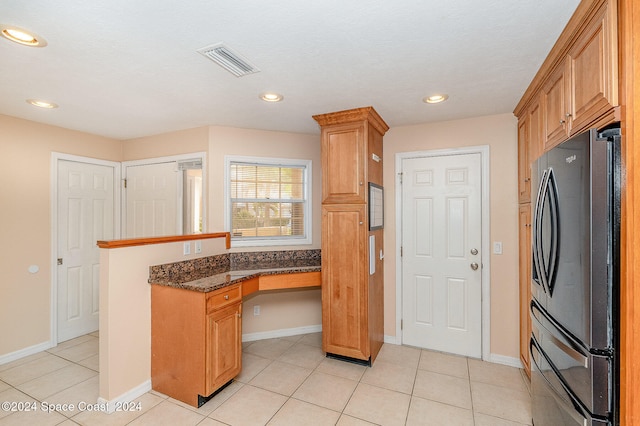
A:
(226, 297)
(568, 115)
(562, 121)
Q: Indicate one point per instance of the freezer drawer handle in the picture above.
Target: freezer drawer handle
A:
(573, 353)
(569, 351)
(578, 409)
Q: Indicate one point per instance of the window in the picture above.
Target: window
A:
(268, 201)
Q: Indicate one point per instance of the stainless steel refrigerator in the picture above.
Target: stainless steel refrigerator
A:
(575, 282)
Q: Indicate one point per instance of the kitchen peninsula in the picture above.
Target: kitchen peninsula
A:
(165, 299)
(196, 315)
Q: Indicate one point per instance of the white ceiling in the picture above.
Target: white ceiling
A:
(129, 68)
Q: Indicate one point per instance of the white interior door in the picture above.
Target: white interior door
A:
(153, 200)
(441, 247)
(85, 215)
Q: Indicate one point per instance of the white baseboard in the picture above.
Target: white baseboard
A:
(505, 360)
(4, 359)
(129, 396)
(284, 332)
(393, 340)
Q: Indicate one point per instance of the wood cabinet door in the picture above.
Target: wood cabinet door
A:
(524, 168)
(593, 63)
(223, 357)
(525, 283)
(555, 123)
(535, 136)
(344, 281)
(343, 163)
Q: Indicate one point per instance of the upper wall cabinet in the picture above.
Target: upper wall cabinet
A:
(593, 66)
(524, 168)
(583, 87)
(529, 148)
(556, 107)
(577, 86)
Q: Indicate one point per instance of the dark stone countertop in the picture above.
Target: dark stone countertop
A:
(225, 279)
(186, 275)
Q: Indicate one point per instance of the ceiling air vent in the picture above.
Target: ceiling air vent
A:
(228, 59)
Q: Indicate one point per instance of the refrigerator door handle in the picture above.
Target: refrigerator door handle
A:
(552, 191)
(535, 234)
(545, 263)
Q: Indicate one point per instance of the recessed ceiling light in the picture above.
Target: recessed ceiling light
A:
(22, 36)
(42, 104)
(434, 99)
(271, 97)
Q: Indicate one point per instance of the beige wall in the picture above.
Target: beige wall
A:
(25, 230)
(499, 132)
(167, 144)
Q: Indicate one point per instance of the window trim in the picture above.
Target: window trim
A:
(270, 241)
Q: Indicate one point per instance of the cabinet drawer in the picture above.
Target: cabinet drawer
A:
(224, 297)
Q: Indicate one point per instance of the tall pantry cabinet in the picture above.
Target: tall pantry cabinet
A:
(352, 245)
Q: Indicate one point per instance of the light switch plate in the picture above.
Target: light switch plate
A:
(497, 247)
(187, 248)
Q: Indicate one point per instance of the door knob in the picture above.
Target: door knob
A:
(474, 266)
(474, 251)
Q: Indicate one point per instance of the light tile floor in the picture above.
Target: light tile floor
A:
(285, 381)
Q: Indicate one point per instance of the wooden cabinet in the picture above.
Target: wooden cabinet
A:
(583, 87)
(224, 346)
(575, 89)
(593, 67)
(352, 293)
(196, 341)
(524, 234)
(556, 107)
(343, 163)
(524, 169)
(345, 297)
(534, 114)
(529, 149)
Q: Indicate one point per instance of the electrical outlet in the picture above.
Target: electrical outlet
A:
(186, 248)
(256, 310)
(198, 246)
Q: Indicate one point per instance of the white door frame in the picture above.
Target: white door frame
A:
(55, 158)
(172, 158)
(483, 150)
